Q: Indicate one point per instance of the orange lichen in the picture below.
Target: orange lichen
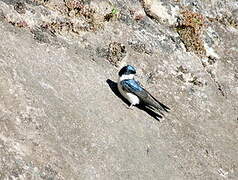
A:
(190, 30)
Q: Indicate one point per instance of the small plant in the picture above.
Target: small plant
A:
(116, 52)
(114, 11)
(226, 20)
(190, 30)
(112, 15)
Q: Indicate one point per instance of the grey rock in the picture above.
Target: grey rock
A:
(60, 117)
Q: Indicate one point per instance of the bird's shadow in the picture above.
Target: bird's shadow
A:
(113, 86)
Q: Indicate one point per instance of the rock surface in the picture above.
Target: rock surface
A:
(59, 118)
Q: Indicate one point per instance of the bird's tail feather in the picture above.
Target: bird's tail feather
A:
(165, 108)
(159, 105)
(155, 109)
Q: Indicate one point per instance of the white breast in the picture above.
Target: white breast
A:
(133, 99)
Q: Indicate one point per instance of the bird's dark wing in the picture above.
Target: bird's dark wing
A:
(132, 86)
(145, 97)
(165, 108)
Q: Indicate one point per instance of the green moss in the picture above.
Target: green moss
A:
(112, 15)
(114, 11)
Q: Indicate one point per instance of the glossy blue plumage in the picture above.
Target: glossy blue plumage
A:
(134, 93)
(131, 68)
(126, 70)
(131, 85)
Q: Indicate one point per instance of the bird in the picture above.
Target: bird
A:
(134, 92)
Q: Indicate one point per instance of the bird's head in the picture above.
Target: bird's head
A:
(127, 72)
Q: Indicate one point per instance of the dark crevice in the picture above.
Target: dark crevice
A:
(218, 85)
(220, 88)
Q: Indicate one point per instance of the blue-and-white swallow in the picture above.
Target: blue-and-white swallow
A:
(135, 93)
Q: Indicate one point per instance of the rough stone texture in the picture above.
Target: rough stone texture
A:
(59, 118)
